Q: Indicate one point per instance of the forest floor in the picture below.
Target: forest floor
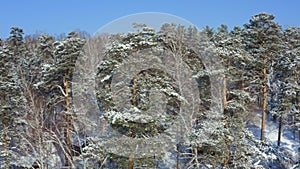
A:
(289, 141)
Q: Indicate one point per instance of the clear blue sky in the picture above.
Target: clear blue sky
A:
(62, 16)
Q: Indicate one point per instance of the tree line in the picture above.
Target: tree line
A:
(44, 125)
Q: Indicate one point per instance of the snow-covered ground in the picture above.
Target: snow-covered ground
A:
(289, 145)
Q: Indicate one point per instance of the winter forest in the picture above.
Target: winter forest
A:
(177, 97)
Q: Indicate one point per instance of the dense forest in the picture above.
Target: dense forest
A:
(177, 97)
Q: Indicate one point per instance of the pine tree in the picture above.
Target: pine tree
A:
(292, 41)
(263, 39)
(209, 136)
(286, 90)
(56, 83)
(229, 46)
(130, 120)
(171, 41)
(11, 95)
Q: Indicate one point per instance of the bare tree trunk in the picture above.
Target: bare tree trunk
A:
(242, 83)
(226, 120)
(177, 157)
(294, 130)
(134, 91)
(134, 102)
(4, 124)
(103, 121)
(264, 107)
(279, 129)
(130, 161)
(103, 129)
(297, 106)
(4, 133)
(224, 93)
(259, 102)
(5, 142)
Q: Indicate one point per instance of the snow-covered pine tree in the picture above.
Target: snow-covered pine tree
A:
(134, 120)
(285, 90)
(263, 40)
(209, 31)
(230, 48)
(219, 39)
(170, 40)
(292, 51)
(209, 136)
(186, 43)
(11, 95)
(56, 85)
(190, 46)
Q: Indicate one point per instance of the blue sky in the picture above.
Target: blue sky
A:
(62, 16)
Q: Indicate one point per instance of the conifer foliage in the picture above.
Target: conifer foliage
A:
(194, 91)
(263, 40)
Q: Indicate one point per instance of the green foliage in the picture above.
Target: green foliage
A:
(11, 96)
(263, 40)
(60, 58)
(41, 78)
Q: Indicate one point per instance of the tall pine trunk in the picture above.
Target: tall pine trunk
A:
(279, 129)
(264, 106)
(68, 118)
